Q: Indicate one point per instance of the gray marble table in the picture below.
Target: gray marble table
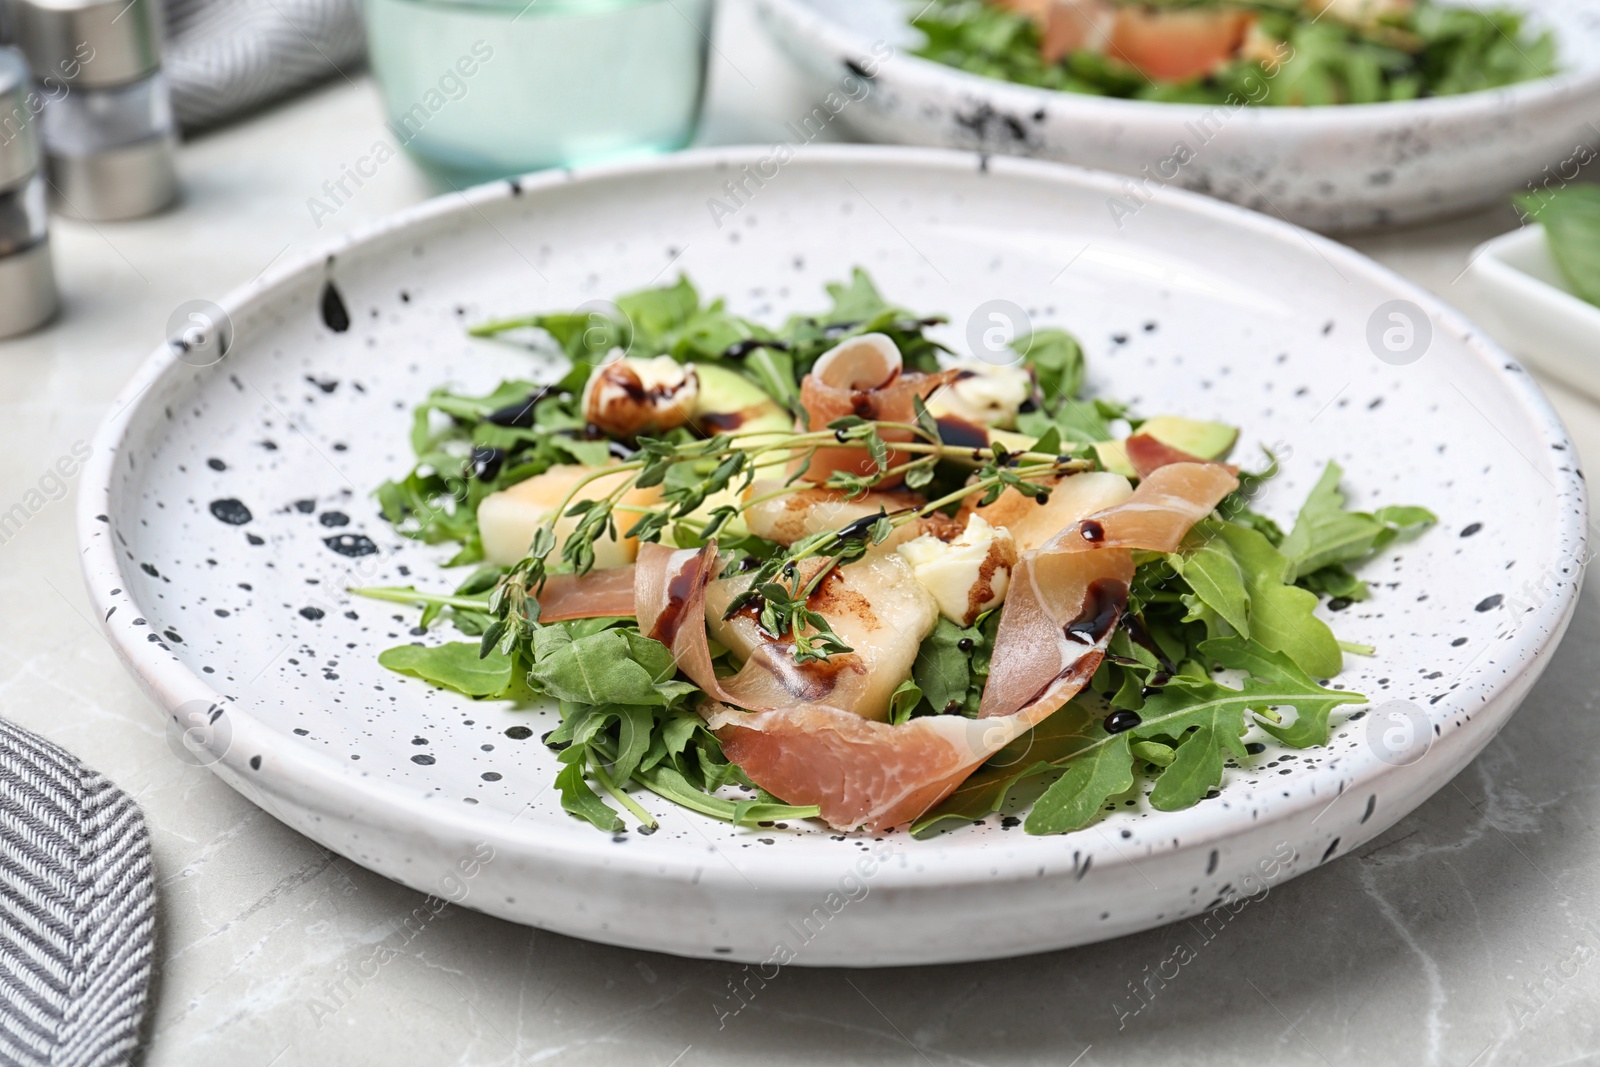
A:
(1467, 935)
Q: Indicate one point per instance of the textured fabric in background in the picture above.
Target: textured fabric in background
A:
(226, 58)
(77, 910)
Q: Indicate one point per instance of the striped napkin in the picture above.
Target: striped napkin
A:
(77, 910)
(226, 58)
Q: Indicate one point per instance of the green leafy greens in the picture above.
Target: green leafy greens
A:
(1571, 219)
(1220, 636)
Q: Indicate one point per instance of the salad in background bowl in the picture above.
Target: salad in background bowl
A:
(1391, 112)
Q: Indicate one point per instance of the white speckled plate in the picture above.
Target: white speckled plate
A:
(1333, 168)
(223, 503)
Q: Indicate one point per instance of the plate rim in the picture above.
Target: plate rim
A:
(931, 76)
(379, 803)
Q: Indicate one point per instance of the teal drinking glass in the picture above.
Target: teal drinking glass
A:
(481, 89)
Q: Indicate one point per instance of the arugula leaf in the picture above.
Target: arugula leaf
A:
(1278, 615)
(454, 665)
(1080, 422)
(943, 671)
(1057, 362)
(1050, 744)
(1281, 615)
(1325, 533)
(857, 301)
(903, 701)
(1196, 769)
(1213, 572)
(613, 666)
(1570, 216)
(1074, 799)
(1275, 679)
(578, 799)
(657, 312)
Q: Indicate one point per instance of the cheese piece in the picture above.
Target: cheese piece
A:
(967, 576)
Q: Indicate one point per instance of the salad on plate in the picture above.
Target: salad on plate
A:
(1273, 52)
(831, 570)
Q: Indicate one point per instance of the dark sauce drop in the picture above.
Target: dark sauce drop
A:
(334, 518)
(1102, 605)
(1118, 721)
(518, 415)
(351, 545)
(961, 433)
(741, 349)
(335, 316)
(486, 463)
(231, 511)
(679, 589)
(722, 421)
(1091, 531)
(518, 733)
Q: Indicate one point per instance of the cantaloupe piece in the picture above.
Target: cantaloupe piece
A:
(507, 519)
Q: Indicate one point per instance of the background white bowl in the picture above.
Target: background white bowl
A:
(1330, 168)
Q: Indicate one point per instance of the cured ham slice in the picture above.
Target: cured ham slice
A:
(1163, 44)
(1177, 45)
(1066, 597)
(864, 376)
(596, 595)
(1158, 514)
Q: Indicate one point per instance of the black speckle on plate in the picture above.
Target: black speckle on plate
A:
(351, 545)
(422, 759)
(311, 613)
(231, 511)
(335, 316)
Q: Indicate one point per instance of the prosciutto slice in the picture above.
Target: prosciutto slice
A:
(863, 376)
(595, 595)
(792, 729)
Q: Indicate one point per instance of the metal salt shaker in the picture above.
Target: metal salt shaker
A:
(107, 127)
(27, 277)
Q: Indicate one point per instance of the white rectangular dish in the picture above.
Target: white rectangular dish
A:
(1526, 305)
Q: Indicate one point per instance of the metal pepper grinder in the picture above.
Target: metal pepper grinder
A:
(27, 277)
(107, 125)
